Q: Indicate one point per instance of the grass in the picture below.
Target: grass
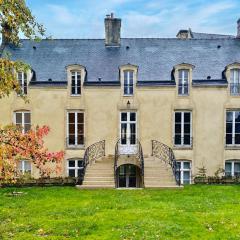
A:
(196, 212)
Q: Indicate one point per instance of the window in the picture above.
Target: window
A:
(75, 83)
(23, 121)
(233, 127)
(75, 167)
(232, 168)
(24, 167)
(185, 171)
(75, 130)
(183, 82)
(22, 79)
(235, 81)
(182, 128)
(128, 82)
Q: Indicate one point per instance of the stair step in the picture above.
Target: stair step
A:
(95, 186)
(97, 178)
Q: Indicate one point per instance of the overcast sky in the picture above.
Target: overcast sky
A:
(140, 18)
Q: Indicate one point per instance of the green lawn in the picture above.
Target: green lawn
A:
(196, 212)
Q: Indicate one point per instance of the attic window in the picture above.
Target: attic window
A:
(22, 79)
(75, 83)
(50, 80)
(208, 77)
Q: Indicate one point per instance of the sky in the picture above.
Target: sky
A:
(140, 18)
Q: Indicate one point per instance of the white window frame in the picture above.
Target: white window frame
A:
(232, 166)
(128, 85)
(23, 166)
(128, 122)
(182, 129)
(181, 81)
(76, 129)
(182, 170)
(233, 128)
(76, 168)
(75, 73)
(22, 81)
(235, 81)
(23, 119)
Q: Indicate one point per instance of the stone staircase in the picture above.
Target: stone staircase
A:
(99, 174)
(158, 174)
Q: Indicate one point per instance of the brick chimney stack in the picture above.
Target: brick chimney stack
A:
(112, 31)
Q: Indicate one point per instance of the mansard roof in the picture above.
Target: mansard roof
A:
(155, 57)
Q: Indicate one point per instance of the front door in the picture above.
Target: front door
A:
(127, 176)
(128, 133)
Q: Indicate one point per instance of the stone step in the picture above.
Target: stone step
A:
(98, 182)
(95, 186)
(100, 179)
(99, 174)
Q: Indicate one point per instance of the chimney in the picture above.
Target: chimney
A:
(238, 28)
(112, 31)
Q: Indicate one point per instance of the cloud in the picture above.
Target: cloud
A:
(140, 18)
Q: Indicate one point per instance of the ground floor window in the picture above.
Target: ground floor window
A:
(232, 168)
(24, 167)
(184, 171)
(75, 167)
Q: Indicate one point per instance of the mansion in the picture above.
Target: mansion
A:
(132, 112)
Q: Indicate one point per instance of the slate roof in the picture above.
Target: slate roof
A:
(155, 58)
(210, 36)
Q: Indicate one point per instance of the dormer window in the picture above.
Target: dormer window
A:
(128, 82)
(75, 83)
(183, 82)
(22, 79)
(235, 81)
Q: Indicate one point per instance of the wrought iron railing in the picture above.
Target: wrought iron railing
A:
(138, 152)
(165, 153)
(92, 153)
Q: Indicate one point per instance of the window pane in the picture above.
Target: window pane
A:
(27, 127)
(236, 168)
(80, 117)
(71, 139)
(123, 116)
(187, 117)
(187, 140)
(18, 118)
(229, 139)
(27, 118)
(229, 116)
(229, 127)
(178, 117)
(237, 138)
(237, 117)
(71, 172)
(177, 140)
(187, 128)
(132, 116)
(123, 133)
(80, 163)
(71, 163)
(80, 139)
(71, 117)
(186, 177)
(178, 128)
(27, 166)
(228, 168)
(19, 165)
(80, 129)
(186, 165)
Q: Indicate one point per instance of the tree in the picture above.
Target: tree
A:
(15, 17)
(15, 146)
